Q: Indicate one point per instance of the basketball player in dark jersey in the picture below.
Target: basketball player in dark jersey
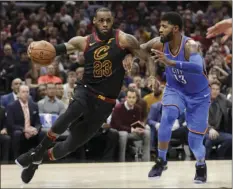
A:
(94, 96)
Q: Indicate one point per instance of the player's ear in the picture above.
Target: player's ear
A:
(176, 28)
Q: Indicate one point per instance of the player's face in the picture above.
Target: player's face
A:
(103, 22)
(215, 91)
(166, 31)
(131, 98)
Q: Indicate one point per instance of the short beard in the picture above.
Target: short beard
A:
(102, 36)
(167, 38)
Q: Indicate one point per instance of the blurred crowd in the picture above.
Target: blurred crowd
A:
(48, 89)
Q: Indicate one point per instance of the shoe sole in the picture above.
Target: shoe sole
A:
(154, 178)
(199, 182)
(17, 163)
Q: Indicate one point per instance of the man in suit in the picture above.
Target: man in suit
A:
(11, 97)
(219, 132)
(24, 122)
(5, 139)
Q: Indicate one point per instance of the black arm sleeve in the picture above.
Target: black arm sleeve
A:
(60, 49)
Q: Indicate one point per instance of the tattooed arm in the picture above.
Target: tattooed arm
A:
(127, 41)
(152, 44)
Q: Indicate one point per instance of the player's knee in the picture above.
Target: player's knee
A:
(169, 114)
(195, 140)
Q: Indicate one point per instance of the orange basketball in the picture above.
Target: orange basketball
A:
(41, 52)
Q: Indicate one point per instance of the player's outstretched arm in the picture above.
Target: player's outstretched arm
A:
(74, 44)
(222, 27)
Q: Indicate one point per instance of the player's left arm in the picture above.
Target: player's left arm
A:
(195, 63)
(127, 41)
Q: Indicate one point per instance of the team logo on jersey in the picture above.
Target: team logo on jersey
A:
(101, 52)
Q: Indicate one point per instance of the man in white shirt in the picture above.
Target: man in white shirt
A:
(71, 80)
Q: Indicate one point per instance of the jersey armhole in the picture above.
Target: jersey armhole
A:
(117, 39)
(87, 45)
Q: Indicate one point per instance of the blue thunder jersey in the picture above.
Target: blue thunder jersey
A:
(187, 83)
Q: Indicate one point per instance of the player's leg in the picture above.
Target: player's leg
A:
(80, 133)
(76, 110)
(197, 121)
(173, 104)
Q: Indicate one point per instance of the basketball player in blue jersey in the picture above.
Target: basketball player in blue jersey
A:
(186, 90)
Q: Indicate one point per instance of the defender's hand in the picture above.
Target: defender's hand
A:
(223, 27)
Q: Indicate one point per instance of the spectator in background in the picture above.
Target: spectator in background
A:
(60, 94)
(7, 67)
(23, 122)
(104, 144)
(49, 77)
(155, 96)
(79, 72)
(148, 85)
(5, 139)
(219, 125)
(138, 81)
(71, 80)
(41, 92)
(23, 67)
(51, 104)
(123, 116)
(11, 97)
(143, 106)
(179, 129)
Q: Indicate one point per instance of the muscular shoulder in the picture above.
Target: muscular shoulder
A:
(153, 44)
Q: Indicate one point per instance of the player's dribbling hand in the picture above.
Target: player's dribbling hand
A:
(159, 56)
(213, 134)
(128, 62)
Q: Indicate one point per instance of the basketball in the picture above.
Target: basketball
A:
(41, 52)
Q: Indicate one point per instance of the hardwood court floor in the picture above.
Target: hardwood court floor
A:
(118, 175)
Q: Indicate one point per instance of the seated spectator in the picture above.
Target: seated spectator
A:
(155, 96)
(219, 124)
(142, 104)
(50, 103)
(24, 65)
(23, 122)
(11, 97)
(71, 79)
(79, 72)
(138, 81)
(147, 89)
(7, 67)
(49, 77)
(41, 92)
(5, 139)
(60, 94)
(103, 145)
(179, 131)
(123, 116)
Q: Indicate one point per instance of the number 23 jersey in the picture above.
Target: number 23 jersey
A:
(104, 70)
(188, 83)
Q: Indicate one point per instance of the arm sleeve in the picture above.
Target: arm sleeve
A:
(195, 64)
